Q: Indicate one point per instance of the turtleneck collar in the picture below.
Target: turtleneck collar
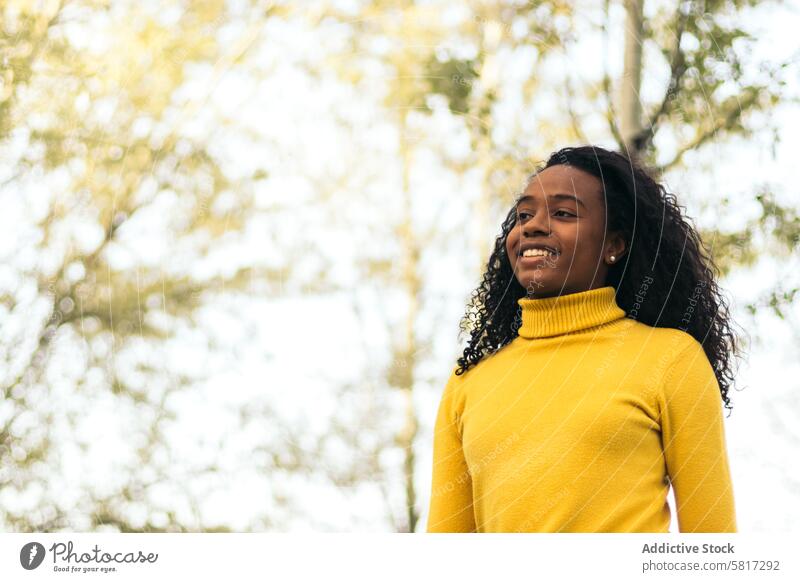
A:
(552, 316)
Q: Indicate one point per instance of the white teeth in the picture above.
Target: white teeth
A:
(537, 253)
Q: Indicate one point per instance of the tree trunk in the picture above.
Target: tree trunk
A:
(411, 283)
(630, 99)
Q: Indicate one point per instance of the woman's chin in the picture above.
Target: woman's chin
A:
(539, 286)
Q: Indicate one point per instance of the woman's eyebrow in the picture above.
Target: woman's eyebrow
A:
(559, 195)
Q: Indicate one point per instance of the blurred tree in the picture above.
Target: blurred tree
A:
(92, 121)
(711, 91)
(116, 199)
(714, 91)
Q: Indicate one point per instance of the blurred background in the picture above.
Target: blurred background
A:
(237, 237)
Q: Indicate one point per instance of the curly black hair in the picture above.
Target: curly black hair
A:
(661, 244)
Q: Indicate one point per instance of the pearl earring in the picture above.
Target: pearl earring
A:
(613, 258)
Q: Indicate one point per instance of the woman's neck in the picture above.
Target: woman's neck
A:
(562, 314)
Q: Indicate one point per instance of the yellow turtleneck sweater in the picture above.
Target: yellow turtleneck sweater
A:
(580, 424)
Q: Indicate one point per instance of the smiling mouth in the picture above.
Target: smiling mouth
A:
(537, 258)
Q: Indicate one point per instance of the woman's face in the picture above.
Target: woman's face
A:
(563, 208)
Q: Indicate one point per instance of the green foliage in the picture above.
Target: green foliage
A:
(732, 250)
(780, 223)
(452, 78)
(775, 230)
(710, 95)
(90, 95)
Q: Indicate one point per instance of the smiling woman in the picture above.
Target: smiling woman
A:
(600, 355)
(561, 215)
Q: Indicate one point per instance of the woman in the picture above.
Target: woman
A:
(600, 353)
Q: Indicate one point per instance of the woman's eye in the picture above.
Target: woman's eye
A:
(521, 215)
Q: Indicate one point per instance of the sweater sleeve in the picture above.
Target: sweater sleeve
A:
(693, 439)
(451, 507)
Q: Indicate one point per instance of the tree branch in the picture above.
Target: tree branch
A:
(677, 70)
(724, 123)
(611, 115)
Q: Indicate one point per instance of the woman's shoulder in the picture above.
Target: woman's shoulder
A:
(462, 377)
(674, 359)
(668, 342)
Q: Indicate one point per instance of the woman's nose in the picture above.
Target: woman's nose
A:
(538, 223)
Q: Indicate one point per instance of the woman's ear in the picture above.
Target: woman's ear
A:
(615, 248)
